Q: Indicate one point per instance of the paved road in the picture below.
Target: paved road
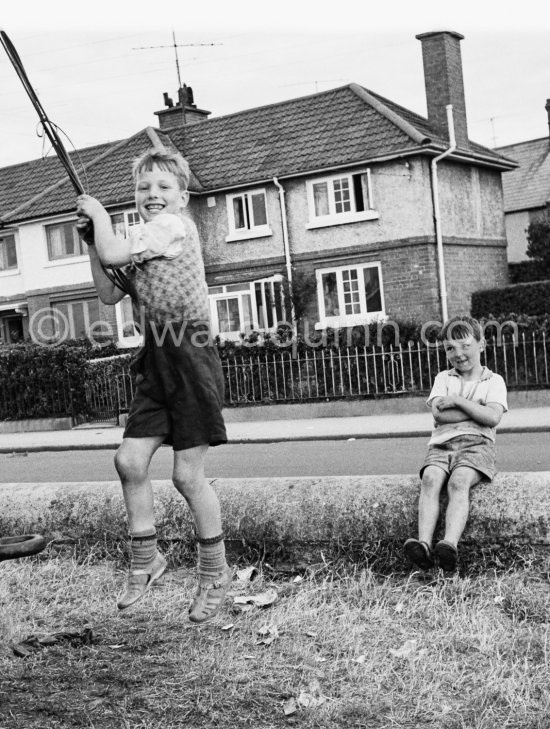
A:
(519, 452)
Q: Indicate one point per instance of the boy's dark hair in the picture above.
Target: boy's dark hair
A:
(461, 327)
(165, 160)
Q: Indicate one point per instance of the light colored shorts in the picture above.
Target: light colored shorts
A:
(473, 451)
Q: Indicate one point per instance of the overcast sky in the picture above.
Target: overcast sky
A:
(100, 76)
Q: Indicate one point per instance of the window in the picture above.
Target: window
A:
(122, 222)
(64, 241)
(241, 308)
(247, 213)
(8, 253)
(340, 199)
(73, 319)
(127, 326)
(349, 295)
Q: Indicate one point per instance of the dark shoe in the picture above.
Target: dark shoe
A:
(419, 553)
(139, 581)
(446, 555)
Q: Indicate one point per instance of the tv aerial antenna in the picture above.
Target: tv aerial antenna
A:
(175, 46)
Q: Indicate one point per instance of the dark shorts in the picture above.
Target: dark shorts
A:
(179, 390)
(473, 451)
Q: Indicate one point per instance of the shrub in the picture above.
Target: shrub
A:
(531, 299)
(42, 381)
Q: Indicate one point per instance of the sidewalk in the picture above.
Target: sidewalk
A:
(404, 425)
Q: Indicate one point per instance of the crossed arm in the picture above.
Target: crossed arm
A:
(455, 409)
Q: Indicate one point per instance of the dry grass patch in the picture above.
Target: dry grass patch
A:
(341, 647)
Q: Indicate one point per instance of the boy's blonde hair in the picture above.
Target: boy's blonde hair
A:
(461, 327)
(165, 160)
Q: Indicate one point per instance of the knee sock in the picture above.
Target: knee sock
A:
(211, 558)
(144, 548)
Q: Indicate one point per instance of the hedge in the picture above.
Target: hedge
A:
(530, 299)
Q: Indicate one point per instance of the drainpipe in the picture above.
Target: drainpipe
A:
(437, 214)
(286, 246)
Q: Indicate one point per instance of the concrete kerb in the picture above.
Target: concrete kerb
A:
(297, 518)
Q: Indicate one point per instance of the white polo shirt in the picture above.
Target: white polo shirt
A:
(489, 388)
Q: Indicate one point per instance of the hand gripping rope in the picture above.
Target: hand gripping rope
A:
(115, 276)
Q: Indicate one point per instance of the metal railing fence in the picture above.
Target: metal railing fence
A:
(320, 374)
(280, 375)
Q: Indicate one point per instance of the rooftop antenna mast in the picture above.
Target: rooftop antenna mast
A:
(175, 46)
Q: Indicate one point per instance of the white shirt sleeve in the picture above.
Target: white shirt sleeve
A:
(440, 387)
(496, 392)
(162, 237)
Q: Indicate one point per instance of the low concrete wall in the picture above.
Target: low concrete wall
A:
(33, 425)
(294, 515)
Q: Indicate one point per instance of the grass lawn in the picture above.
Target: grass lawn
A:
(340, 647)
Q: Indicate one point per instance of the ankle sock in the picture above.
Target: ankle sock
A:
(143, 546)
(211, 558)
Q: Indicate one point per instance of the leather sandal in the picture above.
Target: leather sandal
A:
(210, 597)
(140, 580)
(446, 555)
(419, 553)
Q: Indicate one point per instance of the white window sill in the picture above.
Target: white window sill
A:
(342, 219)
(336, 322)
(249, 234)
(66, 261)
(10, 272)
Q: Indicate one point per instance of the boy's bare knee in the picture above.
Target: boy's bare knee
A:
(461, 481)
(433, 479)
(129, 467)
(188, 483)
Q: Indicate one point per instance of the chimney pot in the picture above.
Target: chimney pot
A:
(444, 81)
(547, 107)
(173, 117)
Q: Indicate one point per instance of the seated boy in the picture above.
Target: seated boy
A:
(467, 403)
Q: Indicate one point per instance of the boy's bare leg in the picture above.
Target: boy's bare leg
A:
(189, 479)
(132, 463)
(433, 479)
(214, 574)
(460, 482)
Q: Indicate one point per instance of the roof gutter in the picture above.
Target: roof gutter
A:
(437, 212)
(286, 245)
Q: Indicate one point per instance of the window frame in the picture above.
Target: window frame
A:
(248, 288)
(130, 218)
(10, 270)
(71, 256)
(339, 218)
(346, 320)
(69, 318)
(251, 230)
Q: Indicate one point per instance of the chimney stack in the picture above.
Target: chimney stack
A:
(547, 107)
(185, 111)
(444, 83)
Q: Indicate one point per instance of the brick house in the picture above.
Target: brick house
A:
(390, 213)
(526, 190)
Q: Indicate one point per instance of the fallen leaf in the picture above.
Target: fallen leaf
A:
(228, 626)
(262, 599)
(246, 575)
(289, 706)
(311, 635)
(360, 659)
(267, 633)
(406, 650)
